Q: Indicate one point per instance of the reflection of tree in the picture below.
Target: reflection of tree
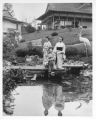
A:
(8, 104)
(11, 79)
(52, 94)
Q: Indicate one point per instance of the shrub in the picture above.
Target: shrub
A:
(70, 51)
(23, 40)
(54, 34)
(30, 29)
(9, 45)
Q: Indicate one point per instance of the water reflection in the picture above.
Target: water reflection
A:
(53, 95)
(59, 100)
(8, 104)
(49, 98)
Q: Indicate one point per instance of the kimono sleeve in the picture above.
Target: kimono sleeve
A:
(49, 44)
(55, 48)
(64, 48)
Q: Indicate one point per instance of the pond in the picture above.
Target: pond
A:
(71, 96)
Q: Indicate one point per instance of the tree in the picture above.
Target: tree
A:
(9, 45)
(8, 7)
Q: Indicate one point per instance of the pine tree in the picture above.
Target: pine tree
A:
(8, 7)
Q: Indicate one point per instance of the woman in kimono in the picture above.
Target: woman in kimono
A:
(46, 47)
(59, 50)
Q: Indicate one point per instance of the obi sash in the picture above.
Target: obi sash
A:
(59, 48)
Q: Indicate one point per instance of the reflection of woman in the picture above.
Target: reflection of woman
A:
(59, 100)
(59, 49)
(47, 98)
(46, 46)
(52, 94)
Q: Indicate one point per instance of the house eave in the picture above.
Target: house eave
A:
(12, 20)
(49, 12)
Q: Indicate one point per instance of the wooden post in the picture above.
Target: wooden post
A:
(74, 22)
(53, 23)
(67, 19)
(81, 22)
(59, 21)
(64, 22)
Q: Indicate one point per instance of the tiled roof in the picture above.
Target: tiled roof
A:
(70, 7)
(84, 8)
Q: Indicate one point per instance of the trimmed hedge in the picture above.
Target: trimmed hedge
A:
(76, 49)
(27, 49)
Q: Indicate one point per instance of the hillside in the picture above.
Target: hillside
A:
(70, 37)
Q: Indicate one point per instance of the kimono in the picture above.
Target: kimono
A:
(51, 61)
(59, 50)
(46, 47)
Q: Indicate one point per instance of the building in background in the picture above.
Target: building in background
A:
(61, 15)
(10, 23)
(36, 24)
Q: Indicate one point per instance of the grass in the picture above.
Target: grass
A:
(70, 37)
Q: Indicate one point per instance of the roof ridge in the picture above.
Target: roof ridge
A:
(84, 5)
(66, 7)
